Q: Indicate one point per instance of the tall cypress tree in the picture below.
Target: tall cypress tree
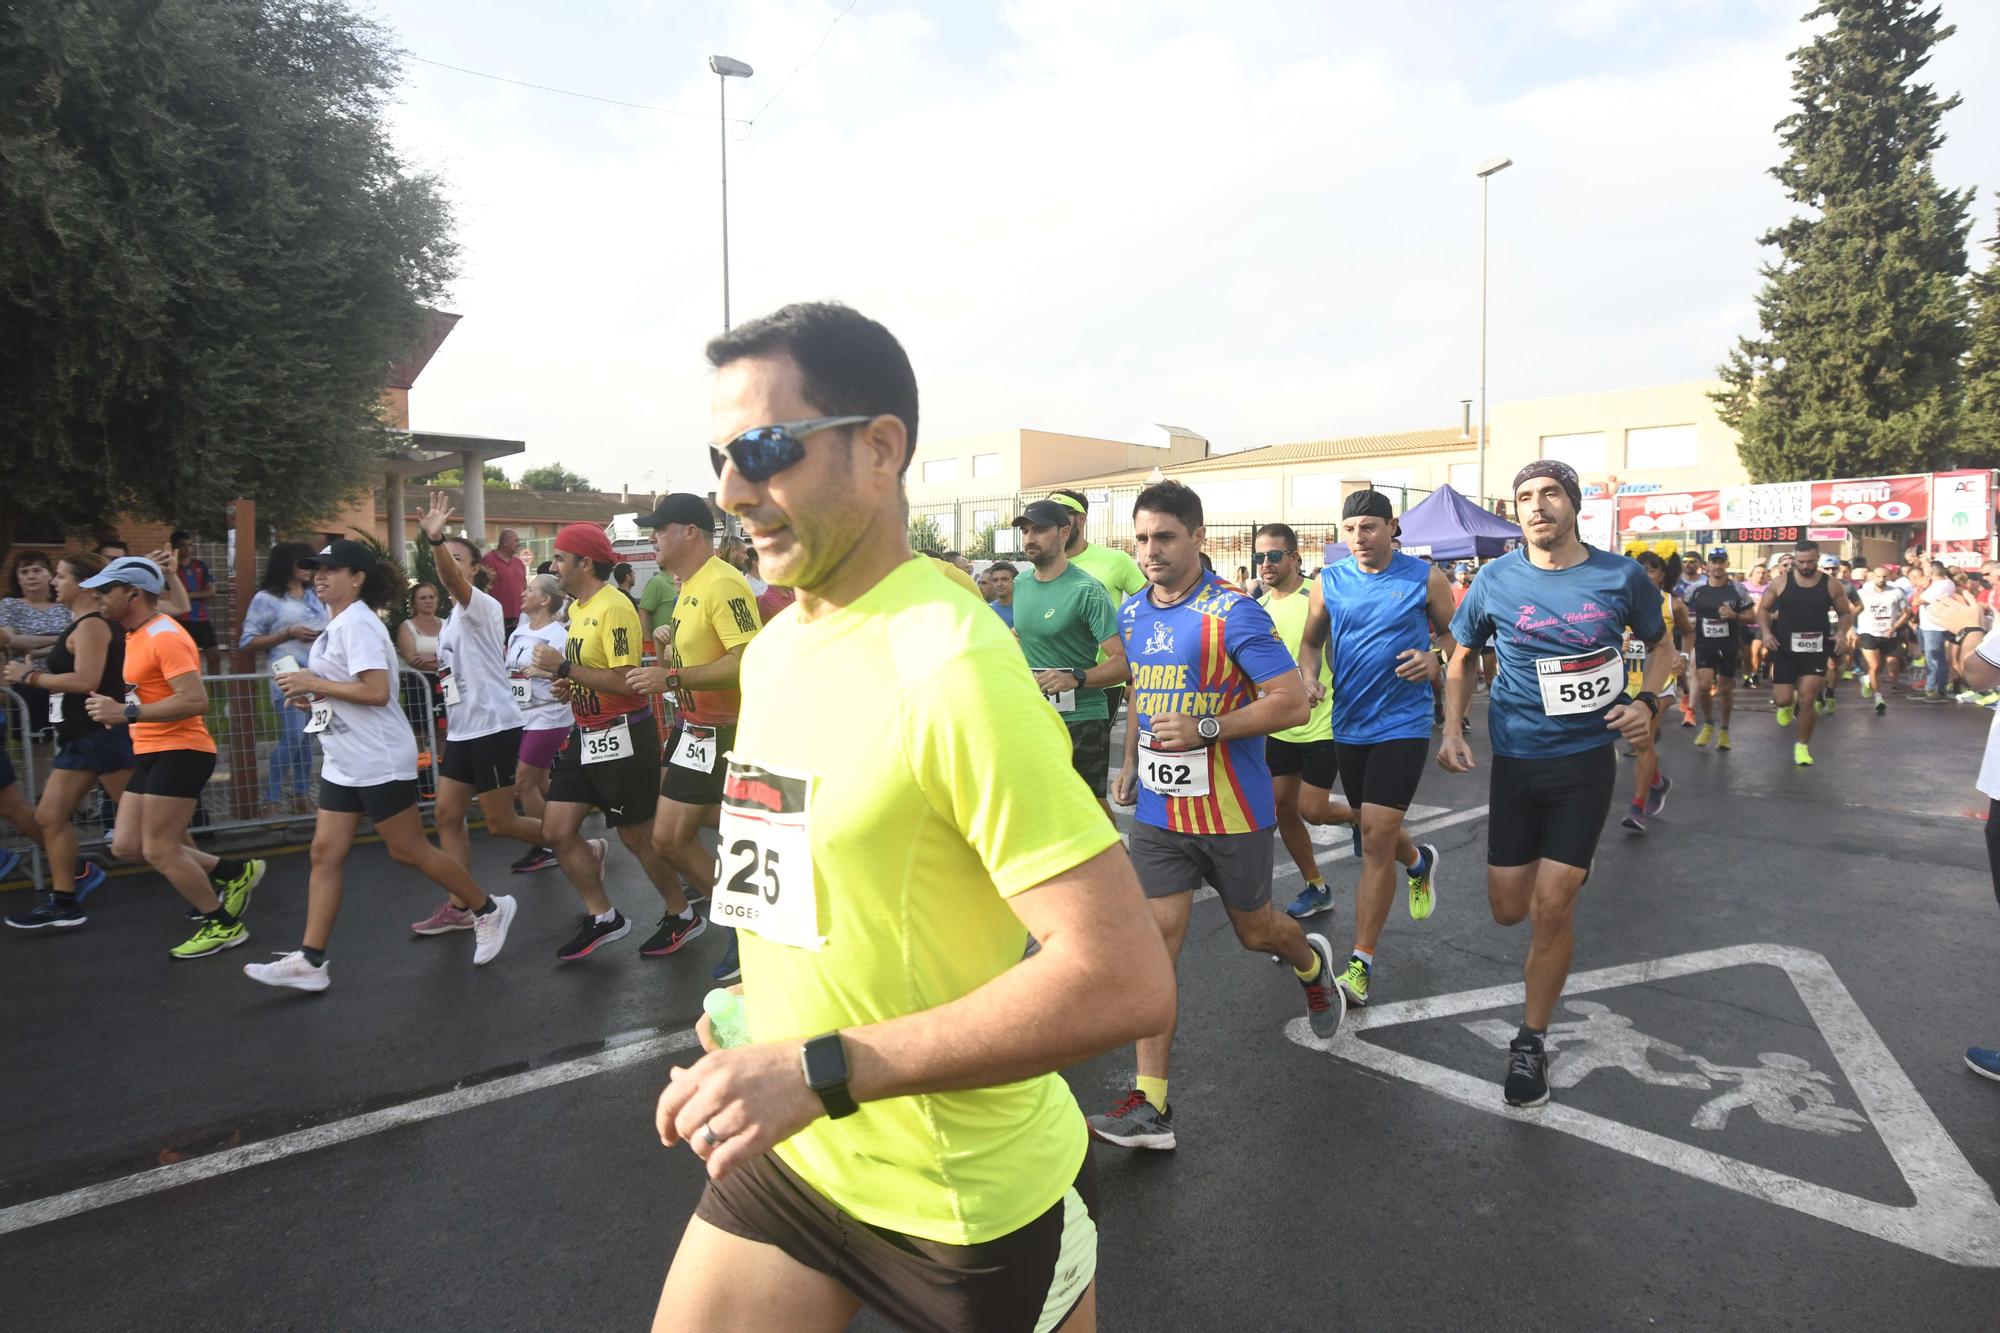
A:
(1979, 433)
(1856, 372)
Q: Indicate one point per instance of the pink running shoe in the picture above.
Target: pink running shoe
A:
(448, 917)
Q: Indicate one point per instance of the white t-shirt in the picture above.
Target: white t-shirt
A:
(363, 745)
(1934, 592)
(1879, 607)
(473, 650)
(1989, 767)
(544, 712)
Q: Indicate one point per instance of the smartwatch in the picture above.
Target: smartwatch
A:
(562, 672)
(824, 1061)
(1648, 698)
(131, 712)
(1080, 675)
(1208, 728)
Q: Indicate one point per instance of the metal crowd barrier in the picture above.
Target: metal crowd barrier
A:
(266, 769)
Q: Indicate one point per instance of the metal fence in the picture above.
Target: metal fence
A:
(266, 767)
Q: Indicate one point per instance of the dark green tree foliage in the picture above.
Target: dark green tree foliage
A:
(1979, 435)
(1863, 315)
(552, 477)
(209, 256)
(455, 476)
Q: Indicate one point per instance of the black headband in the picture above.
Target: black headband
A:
(1368, 504)
(1562, 474)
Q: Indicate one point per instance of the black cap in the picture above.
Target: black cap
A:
(681, 507)
(341, 553)
(1044, 514)
(1368, 504)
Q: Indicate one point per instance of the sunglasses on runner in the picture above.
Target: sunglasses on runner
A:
(1267, 557)
(762, 452)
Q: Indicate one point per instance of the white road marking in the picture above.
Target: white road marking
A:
(1955, 1217)
(56, 1207)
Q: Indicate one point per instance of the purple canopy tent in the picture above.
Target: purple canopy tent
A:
(1445, 525)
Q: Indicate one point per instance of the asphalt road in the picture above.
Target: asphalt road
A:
(1754, 1138)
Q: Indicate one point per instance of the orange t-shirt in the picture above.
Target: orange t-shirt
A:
(155, 653)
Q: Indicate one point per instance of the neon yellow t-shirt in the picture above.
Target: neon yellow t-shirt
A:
(936, 783)
(1118, 572)
(1289, 614)
(715, 611)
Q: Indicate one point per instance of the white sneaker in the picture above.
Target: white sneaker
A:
(292, 970)
(490, 930)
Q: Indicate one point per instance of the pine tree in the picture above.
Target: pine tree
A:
(1979, 432)
(1856, 372)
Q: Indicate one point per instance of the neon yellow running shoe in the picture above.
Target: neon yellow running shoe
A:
(1722, 739)
(213, 937)
(1785, 716)
(1423, 898)
(1354, 981)
(1801, 755)
(236, 892)
(1701, 738)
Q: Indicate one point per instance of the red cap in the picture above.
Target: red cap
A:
(587, 540)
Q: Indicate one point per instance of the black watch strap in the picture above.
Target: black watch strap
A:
(1648, 698)
(824, 1061)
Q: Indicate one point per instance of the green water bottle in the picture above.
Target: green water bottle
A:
(727, 1017)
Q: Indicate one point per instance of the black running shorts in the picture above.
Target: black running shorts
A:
(1312, 762)
(1549, 809)
(1877, 643)
(484, 763)
(1385, 773)
(1030, 1278)
(179, 773)
(383, 800)
(627, 790)
(1090, 753)
(694, 786)
(1787, 668)
(1717, 655)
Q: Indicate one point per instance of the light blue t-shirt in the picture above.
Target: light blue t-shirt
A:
(1529, 614)
(1372, 620)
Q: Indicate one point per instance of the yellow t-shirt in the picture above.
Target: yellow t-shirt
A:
(1635, 652)
(603, 632)
(959, 576)
(1289, 615)
(936, 783)
(715, 611)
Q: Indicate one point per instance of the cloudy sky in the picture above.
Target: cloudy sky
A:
(1256, 219)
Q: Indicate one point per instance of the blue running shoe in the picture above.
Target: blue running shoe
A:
(730, 968)
(1983, 1062)
(87, 881)
(1310, 902)
(1354, 833)
(10, 861)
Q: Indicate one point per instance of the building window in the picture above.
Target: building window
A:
(1583, 451)
(941, 469)
(1660, 447)
(985, 465)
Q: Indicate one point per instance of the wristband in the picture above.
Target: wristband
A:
(436, 541)
(562, 672)
(1648, 698)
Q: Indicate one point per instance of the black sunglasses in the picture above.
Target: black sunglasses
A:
(762, 452)
(1267, 557)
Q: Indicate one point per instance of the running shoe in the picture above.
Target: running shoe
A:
(1354, 983)
(731, 967)
(1702, 737)
(48, 914)
(448, 917)
(1785, 715)
(1656, 798)
(1635, 818)
(1966, 697)
(537, 858)
(1325, 1005)
(1687, 721)
(1801, 755)
(489, 931)
(236, 892)
(10, 861)
(1310, 902)
(1354, 837)
(1983, 1062)
(1825, 704)
(291, 970)
(593, 933)
(1423, 895)
(1722, 739)
(674, 931)
(88, 881)
(213, 937)
(1867, 688)
(1527, 1072)
(1988, 699)
(1881, 706)
(1134, 1123)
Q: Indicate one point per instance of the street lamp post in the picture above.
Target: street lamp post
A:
(1487, 171)
(726, 69)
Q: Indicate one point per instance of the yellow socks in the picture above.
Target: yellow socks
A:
(1155, 1091)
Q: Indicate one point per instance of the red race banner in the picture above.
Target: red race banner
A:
(1787, 503)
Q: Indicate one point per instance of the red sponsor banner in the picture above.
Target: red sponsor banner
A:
(1904, 499)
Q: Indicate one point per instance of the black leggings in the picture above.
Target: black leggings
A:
(1993, 843)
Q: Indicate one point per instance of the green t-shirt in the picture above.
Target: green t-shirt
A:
(1289, 615)
(917, 817)
(1061, 623)
(656, 599)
